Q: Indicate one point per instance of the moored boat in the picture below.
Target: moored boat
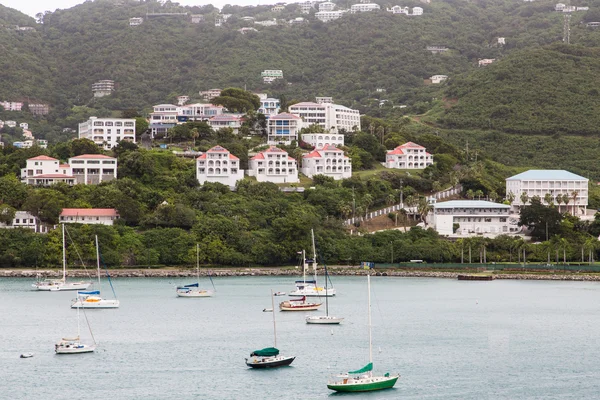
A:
(298, 305)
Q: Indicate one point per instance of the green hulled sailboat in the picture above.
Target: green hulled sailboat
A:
(363, 379)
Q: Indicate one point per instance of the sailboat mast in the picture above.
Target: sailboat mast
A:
(78, 329)
(98, 261)
(274, 325)
(326, 297)
(64, 254)
(198, 261)
(304, 266)
(312, 234)
(370, 335)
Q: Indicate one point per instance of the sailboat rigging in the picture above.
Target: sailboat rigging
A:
(75, 345)
(61, 284)
(364, 381)
(310, 288)
(92, 299)
(194, 290)
(269, 357)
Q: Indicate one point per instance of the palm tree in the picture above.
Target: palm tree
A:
(548, 198)
(524, 198)
(510, 197)
(367, 201)
(423, 208)
(564, 243)
(559, 200)
(493, 196)
(470, 194)
(411, 202)
(478, 194)
(195, 135)
(566, 200)
(404, 217)
(574, 194)
(345, 209)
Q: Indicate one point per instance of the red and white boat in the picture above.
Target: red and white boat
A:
(298, 305)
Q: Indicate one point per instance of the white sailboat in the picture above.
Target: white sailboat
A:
(310, 288)
(52, 285)
(324, 319)
(269, 357)
(75, 345)
(363, 379)
(92, 299)
(194, 290)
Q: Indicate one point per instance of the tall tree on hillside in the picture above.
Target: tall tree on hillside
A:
(237, 100)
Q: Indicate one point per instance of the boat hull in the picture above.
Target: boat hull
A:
(269, 362)
(313, 292)
(63, 286)
(74, 348)
(323, 320)
(195, 293)
(306, 307)
(95, 304)
(363, 384)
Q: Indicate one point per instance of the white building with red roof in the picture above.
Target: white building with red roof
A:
(226, 121)
(329, 116)
(408, 156)
(92, 169)
(328, 161)
(273, 165)
(45, 171)
(219, 165)
(283, 128)
(97, 216)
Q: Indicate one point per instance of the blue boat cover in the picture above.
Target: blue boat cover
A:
(91, 292)
(313, 282)
(191, 285)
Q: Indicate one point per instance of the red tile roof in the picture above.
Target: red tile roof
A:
(305, 104)
(93, 156)
(201, 157)
(89, 212)
(312, 154)
(274, 149)
(411, 144)
(396, 151)
(64, 166)
(43, 158)
(259, 156)
(218, 149)
(51, 176)
(232, 157)
(284, 116)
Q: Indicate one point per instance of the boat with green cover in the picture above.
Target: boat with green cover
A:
(364, 380)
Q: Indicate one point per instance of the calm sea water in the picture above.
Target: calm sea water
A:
(448, 340)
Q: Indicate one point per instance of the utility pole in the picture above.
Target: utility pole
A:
(402, 193)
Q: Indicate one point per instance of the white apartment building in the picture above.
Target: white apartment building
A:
(438, 78)
(268, 22)
(208, 95)
(320, 140)
(408, 156)
(24, 125)
(486, 61)
(399, 10)
(306, 6)
(198, 112)
(88, 216)
(326, 6)
(219, 165)
(437, 49)
(473, 218)
(92, 169)
(283, 128)
(164, 114)
(328, 161)
(45, 171)
(277, 8)
(103, 88)
(417, 11)
(364, 7)
(108, 132)
(555, 182)
(10, 124)
(268, 106)
(89, 169)
(329, 116)
(273, 165)
(181, 100)
(135, 21)
(24, 219)
(269, 75)
(226, 121)
(11, 105)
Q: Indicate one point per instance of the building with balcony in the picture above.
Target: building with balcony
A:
(108, 132)
(226, 121)
(559, 184)
(11, 105)
(472, 218)
(103, 88)
(181, 100)
(39, 108)
(326, 6)
(408, 156)
(437, 49)
(327, 16)
(329, 161)
(417, 11)
(273, 165)
(46, 171)
(135, 21)
(283, 128)
(399, 10)
(198, 112)
(269, 75)
(208, 95)
(88, 216)
(268, 106)
(438, 78)
(92, 169)
(364, 7)
(197, 18)
(320, 140)
(219, 165)
(329, 116)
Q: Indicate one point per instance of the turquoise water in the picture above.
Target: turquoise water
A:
(448, 339)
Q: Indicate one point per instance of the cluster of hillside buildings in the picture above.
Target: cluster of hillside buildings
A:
(29, 141)
(463, 218)
(561, 7)
(34, 108)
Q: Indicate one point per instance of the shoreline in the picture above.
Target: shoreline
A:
(286, 271)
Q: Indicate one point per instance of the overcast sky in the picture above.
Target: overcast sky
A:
(32, 7)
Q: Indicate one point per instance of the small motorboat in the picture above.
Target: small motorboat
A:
(26, 355)
(267, 310)
(279, 294)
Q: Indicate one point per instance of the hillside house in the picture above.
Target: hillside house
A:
(438, 78)
(273, 165)
(283, 128)
(329, 161)
(364, 7)
(108, 132)
(408, 156)
(89, 216)
(463, 218)
(219, 165)
(486, 61)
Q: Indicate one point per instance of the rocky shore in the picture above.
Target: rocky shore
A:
(229, 272)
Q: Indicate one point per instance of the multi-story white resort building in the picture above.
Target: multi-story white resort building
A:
(472, 217)
(408, 156)
(557, 183)
(273, 165)
(328, 161)
(268, 106)
(329, 116)
(108, 132)
(364, 7)
(89, 169)
(320, 140)
(231, 121)
(103, 88)
(219, 165)
(283, 128)
(269, 75)
(327, 16)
